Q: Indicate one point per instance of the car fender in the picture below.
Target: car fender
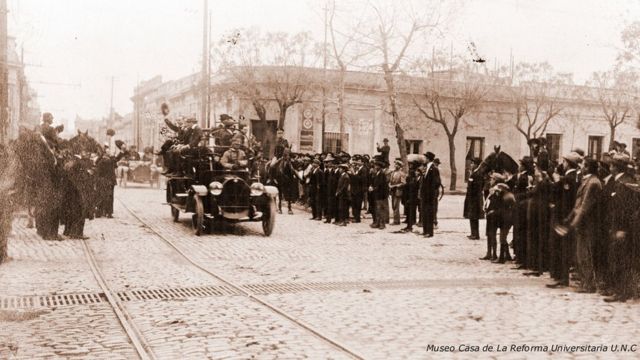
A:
(271, 190)
(200, 190)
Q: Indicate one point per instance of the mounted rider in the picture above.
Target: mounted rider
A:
(281, 145)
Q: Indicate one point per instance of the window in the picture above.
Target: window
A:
(333, 143)
(413, 146)
(475, 149)
(595, 147)
(553, 146)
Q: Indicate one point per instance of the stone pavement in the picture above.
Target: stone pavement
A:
(381, 293)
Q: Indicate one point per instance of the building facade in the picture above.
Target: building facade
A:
(366, 121)
(23, 109)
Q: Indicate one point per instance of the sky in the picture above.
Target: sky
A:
(74, 48)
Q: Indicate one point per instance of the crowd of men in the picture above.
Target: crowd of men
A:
(577, 220)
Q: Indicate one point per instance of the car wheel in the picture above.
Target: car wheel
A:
(197, 221)
(269, 218)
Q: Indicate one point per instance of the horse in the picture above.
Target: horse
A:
(283, 176)
(36, 181)
(499, 161)
(53, 183)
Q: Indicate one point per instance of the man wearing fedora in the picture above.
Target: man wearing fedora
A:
(331, 181)
(474, 199)
(524, 182)
(359, 185)
(560, 248)
(379, 189)
(396, 187)
(343, 194)
(429, 194)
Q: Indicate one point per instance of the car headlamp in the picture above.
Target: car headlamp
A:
(215, 188)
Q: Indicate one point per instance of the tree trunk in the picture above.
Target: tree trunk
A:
(612, 136)
(391, 94)
(452, 162)
(283, 115)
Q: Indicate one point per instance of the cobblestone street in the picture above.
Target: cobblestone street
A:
(379, 293)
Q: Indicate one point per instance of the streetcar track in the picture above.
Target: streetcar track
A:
(249, 294)
(131, 330)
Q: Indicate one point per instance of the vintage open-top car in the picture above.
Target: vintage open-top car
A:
(213, 194)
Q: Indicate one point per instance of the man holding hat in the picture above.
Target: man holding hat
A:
(429, 194)
(189, 138)
(384, 150)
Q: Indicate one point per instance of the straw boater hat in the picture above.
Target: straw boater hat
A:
(573, 158)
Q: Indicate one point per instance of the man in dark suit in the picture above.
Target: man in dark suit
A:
(428, 194)
(359, 186)
(105, 181)
(584, 221)
(524, 181)
(315, 181)
(473, 201)
(621, 257)
(565, 195)
(343, 194)
(379, 189)
(189, 138)
(411, 196)
(330, 190)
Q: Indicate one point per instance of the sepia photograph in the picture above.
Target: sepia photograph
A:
(319, 179)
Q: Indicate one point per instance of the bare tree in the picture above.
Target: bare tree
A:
(346, 50)
(614, 92)
(535, 97)
(269, 67)
(448, 100)
(396, 29)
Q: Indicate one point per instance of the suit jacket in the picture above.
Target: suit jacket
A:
(359, 183)
(587, 199)
(332, 182)
(566, 190)
(316, 177)
(343, 189)
(380, 186)
(430, 185)
(473, 200)
(193, 136)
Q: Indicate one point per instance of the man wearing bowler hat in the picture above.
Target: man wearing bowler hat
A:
(429, 194)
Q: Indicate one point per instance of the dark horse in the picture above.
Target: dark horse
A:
(56, 186)
(283, 176)
(500, 162)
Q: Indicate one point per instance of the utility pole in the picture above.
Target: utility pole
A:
(111, 104)
(209, 76)
(205, 60)
(324, 78)
(4, 84)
